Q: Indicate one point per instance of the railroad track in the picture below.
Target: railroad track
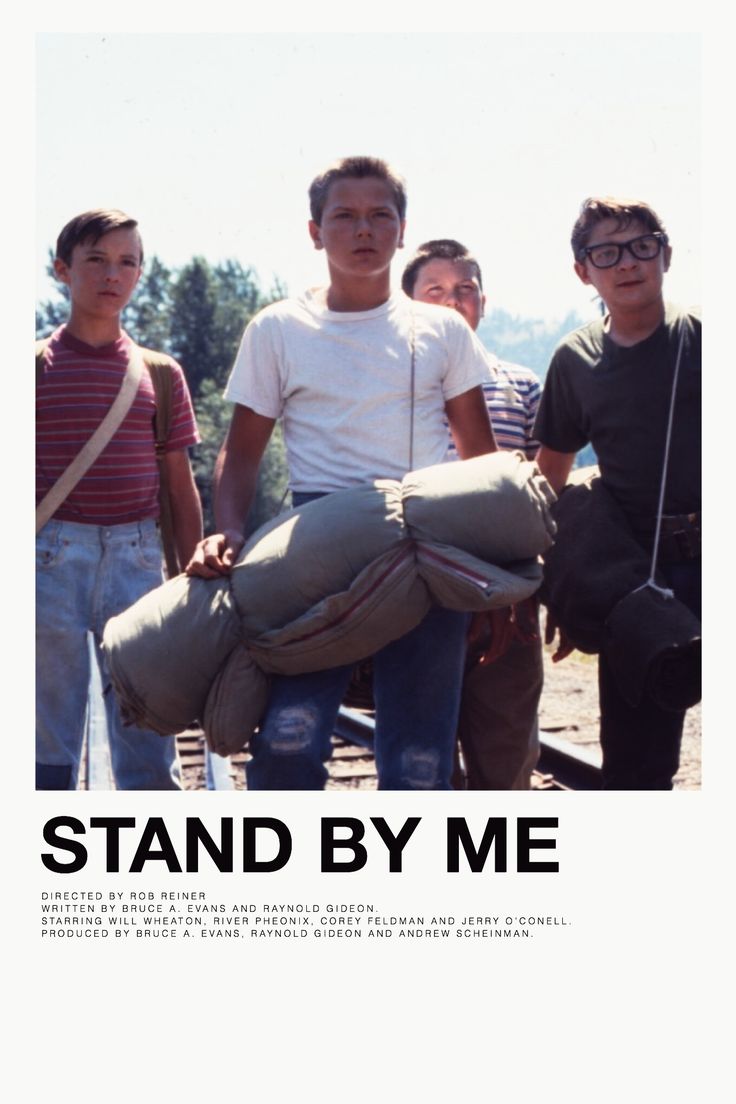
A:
(570, 767)
(562, 765)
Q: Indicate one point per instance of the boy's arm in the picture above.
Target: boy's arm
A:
(186, 509)
(555, 466)
(236, 474)
(470, 425)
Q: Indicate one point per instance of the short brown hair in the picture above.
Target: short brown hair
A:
(446, 249)
(595, 209)
(356, 168)
(89, 227)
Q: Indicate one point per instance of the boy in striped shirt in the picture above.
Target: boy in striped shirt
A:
(497, 727)
(100, 551)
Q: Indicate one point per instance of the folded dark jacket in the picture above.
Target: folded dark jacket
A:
(653, 647)
(592, 576)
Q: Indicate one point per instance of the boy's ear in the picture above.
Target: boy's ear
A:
(582, 270)
(315, 234)
(667, 257)
(61, 270)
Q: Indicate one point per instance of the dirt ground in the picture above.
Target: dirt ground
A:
(569, 709)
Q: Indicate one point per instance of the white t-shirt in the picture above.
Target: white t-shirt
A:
(341, 382)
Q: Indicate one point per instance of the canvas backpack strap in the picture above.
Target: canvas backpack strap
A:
(159, 369)
(41, 346)
(84, 460)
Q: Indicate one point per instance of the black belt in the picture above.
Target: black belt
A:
(680, 536)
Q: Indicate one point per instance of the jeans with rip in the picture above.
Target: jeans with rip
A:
(416, 685)
(86, 574)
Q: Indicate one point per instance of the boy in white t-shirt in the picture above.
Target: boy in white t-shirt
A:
(362, 379)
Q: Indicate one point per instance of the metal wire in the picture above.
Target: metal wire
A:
(665, 591)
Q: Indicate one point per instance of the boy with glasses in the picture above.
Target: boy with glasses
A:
(610, 384)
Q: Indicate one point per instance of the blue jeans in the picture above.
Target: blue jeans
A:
(416, 687)
(417, 681)
(86, 574)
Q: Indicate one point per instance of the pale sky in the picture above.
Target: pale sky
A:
(210, 141)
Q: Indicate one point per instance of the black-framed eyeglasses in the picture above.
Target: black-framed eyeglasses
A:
(644, 248)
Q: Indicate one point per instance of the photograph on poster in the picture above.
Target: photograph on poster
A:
(283, 221)
(333, 389)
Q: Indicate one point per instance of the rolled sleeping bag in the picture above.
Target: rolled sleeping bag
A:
(164, 651)
(459, 581)
(304, 556)
(236, 701)
(395, 591)
(387, 600)
(331, 583)
(495, 507)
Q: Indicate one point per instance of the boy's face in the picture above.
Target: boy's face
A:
(102, 275)
(630, 284)
(360, 229)
(452, 284)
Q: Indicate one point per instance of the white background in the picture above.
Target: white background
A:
(624, 1003)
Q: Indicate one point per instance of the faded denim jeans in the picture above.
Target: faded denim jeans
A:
(86, 574)
(417, 682)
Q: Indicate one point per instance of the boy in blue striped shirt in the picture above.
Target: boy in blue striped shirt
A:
(497, 728)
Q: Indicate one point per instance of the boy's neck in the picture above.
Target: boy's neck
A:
(94, 331)
(357, 295)
(628, 328)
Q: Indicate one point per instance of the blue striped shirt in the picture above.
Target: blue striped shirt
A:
(512, 395)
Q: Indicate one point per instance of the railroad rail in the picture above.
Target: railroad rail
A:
(562, 765)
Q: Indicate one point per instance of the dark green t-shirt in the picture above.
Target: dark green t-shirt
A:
(617, 399)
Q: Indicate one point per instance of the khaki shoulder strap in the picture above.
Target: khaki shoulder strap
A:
(41, 346)
(84, 459)
(159, 369)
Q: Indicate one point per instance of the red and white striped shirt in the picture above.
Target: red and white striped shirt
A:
(75, 391)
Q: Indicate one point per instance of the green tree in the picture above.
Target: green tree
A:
(213, 418)
(147, 318)
(52, 312)
(238, 298)
(192, 313)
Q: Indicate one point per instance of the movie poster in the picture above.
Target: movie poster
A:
(360, 944)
